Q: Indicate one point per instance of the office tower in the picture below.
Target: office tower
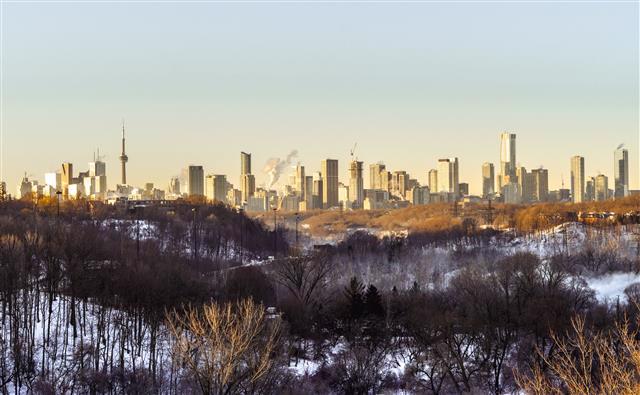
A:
(356, 183)
(399, 183)
(507, 156)
(329, 170)
(248, 186)
(540, 184)
(601, 187)
(174, 185)
(448, 176)
(433, 180)
(464, 189)
(66, 177)
(308, 192)
(526, 182)
(420, 195)
(299, 181)
(54, 180)
(385, 181)
(245, 163)
(196, 181)
(621, 172)
(123, 160)
(216, 187)
(343, 196)
(577, 179)
(488, 179)
(375, 171)
(247, 180)
(317, 190)
(590, 189)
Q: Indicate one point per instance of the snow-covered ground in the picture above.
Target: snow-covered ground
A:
(610, 287)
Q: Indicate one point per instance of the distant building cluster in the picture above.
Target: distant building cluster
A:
(323, 190)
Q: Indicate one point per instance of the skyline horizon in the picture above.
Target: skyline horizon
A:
(263, 176)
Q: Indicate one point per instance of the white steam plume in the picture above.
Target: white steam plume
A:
(276, 166)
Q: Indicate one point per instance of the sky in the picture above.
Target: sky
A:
(197, 83)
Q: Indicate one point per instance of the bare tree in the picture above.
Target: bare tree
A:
(227, 348)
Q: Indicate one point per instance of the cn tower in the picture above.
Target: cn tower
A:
(123, 159)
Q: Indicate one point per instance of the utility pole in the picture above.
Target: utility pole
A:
(58, 193)
(194, 236)
(297, 244)
(275, 233)
(241, 211)
(137, 233)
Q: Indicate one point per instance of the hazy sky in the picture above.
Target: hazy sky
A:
(197, 83)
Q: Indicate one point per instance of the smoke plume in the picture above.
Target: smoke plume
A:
(276, 166)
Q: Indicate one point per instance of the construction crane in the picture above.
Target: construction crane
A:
(353, 150)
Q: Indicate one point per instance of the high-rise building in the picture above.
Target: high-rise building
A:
(299, 181)
(66, 177)
(54, 180)
(590, 189)
(400, 183)
(448, 176)
(174, 185)
(123, 160)
(621, 172)
(464, 189)
(247, 180)
(577, 179)
(541, 184)
(356, 184)
(329, 170)
(308, 193)
(507, 156)
(488, 180)
(196, 181)
(385, 181)
(245, 163)
(248, 186)
(601, 187)
(375, 171)
(216, 187)
(433, 180)
(317, 190)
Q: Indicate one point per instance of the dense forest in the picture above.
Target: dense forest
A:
(196, 298)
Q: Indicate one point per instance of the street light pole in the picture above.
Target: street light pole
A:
(195, 238)
(241, 211)
(275, 233)
(297, 244)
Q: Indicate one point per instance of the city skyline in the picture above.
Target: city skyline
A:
(407, 97)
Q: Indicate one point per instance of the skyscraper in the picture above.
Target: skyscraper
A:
(196, 181)
(488, 179)
(216, 187)
(123, 160)
(356, 184)
(601, 187)
(329, 169)
(577, 179)
(507, 156)
(448, 176)
(541, 184)
(66, 178)
(621, 172)
(245, 163)
(300, 180)
(375, 172)
(247, 180)
(433, 180)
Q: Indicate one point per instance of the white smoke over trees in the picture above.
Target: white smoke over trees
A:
(276, 166)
